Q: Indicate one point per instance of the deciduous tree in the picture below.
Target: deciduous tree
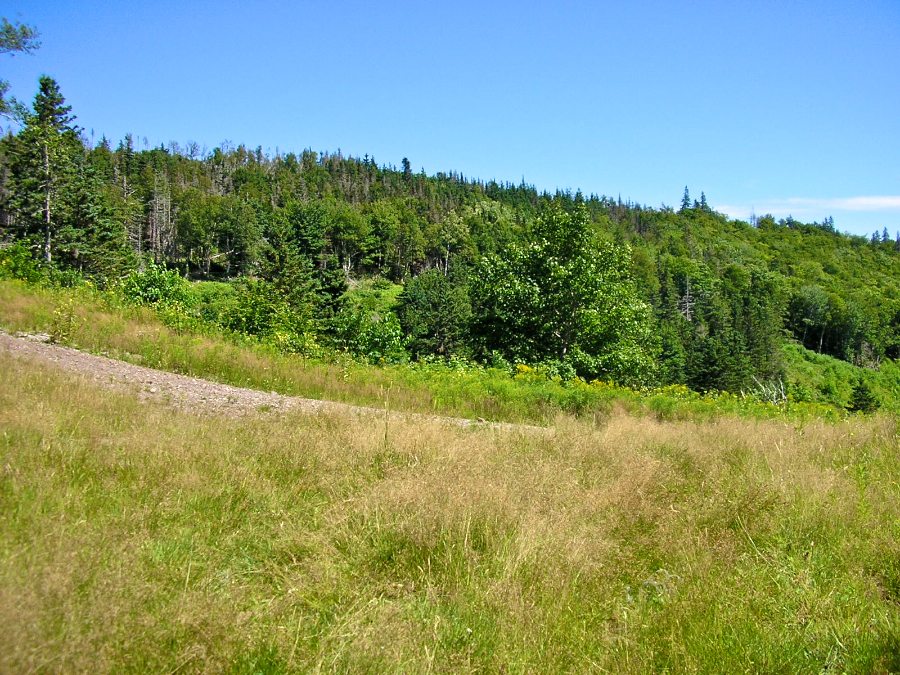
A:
(565, 296)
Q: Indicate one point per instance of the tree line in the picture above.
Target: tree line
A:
(493, 272)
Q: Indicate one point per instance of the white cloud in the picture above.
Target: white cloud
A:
(804, 207)
(883, 203)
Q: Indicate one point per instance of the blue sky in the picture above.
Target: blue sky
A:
(785, 107)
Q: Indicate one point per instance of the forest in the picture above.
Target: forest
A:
(321, 253)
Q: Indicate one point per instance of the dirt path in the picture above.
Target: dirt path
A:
(194, 393)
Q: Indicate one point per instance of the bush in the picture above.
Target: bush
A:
(259, 309)
(16, 262)
(66, 278)
(156, 285)
(377, 338)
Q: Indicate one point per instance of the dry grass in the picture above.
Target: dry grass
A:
(136, 538)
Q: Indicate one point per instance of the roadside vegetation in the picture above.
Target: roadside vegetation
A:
(179, 340)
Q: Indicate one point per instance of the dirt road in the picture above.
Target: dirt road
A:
(194, 393)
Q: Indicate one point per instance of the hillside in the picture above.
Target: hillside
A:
(498, 274)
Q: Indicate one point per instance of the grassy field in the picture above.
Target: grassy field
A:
(137, 538)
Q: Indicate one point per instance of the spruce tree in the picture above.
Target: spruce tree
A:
(685, 201)
(863, 399)
(55, 198)
(42, 163)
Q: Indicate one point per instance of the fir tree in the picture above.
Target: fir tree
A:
(55, 198)
(863, 399)
(685, 201)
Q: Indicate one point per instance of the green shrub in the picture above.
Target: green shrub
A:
(212, 299)
(377, 338)
(259, 309)
(156, 285)
(16, 262)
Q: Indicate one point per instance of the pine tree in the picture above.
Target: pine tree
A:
(685, 201)
(55, 197)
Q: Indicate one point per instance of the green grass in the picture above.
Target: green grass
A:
(169, 340)
(374, 295)
(137, 538)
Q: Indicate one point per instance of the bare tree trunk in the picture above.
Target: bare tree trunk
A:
(160, 226)
(47, 204)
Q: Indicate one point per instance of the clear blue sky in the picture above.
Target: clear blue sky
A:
(784, 107)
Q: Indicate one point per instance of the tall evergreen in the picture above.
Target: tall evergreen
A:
(42, 167)
(54, 198)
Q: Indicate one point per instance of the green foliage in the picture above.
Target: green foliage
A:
(156, 285)
(719, 332)
(17, 262)
(376, 338)
(565, 296)
(57, 196)
(378, 295)
(863, 399)
(435, 311)
(260, 309)
(15, 37)
(211, 300)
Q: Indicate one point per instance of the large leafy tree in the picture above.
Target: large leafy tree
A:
(565, 296)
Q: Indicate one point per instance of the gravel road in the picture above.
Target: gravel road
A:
(194, 393)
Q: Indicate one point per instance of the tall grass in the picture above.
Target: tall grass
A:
(102, 323)
(137, 538)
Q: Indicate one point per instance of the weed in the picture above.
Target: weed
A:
(64, 323)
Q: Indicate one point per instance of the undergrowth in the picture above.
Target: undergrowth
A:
(170, 339)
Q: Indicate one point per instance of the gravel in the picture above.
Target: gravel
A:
(193, 393)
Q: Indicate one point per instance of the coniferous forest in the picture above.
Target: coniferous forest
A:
(321, 252)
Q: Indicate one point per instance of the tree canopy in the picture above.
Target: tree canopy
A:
(585, 285)
(15, 37)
